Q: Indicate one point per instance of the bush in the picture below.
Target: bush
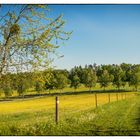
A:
(21, 89)
(38, 86)
(7, 91)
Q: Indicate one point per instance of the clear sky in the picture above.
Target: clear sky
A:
(105, 34)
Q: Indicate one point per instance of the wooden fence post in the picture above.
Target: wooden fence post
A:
(57, 110)
(96, 101)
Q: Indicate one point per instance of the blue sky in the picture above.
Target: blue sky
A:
(105, 34)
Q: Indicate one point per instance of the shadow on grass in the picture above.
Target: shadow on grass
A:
(63, 93)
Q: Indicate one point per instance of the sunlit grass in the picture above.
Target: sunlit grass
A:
(74, 102)
(22, 113)
(76, 114)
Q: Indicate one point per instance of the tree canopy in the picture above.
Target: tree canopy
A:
(28, 37)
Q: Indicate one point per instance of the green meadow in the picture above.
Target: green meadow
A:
(78, 115)
(47, 89)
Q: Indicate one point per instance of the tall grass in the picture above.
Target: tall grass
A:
(37, 116)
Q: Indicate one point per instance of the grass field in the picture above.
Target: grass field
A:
(77, 113)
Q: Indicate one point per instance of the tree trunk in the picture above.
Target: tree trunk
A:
(90, 89)
(118, 88)
(23, 95)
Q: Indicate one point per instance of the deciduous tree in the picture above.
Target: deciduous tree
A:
(90, 78)
(28, 36)
(105, 79)
(75, 82)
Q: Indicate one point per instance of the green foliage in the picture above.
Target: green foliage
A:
(28, 37)
(90, 78)
(52, 79)
(39, 86)
(22, 83)
(6, 85)
(56, 79)
(119, 75)
(135, 79)
(60, 81)
(50, 84)
(105, 79)
(21, 88)
(7, 91)
(75, 82)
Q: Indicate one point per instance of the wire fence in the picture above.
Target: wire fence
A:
(94, 100)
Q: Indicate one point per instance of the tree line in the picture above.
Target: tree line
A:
(89, 75)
